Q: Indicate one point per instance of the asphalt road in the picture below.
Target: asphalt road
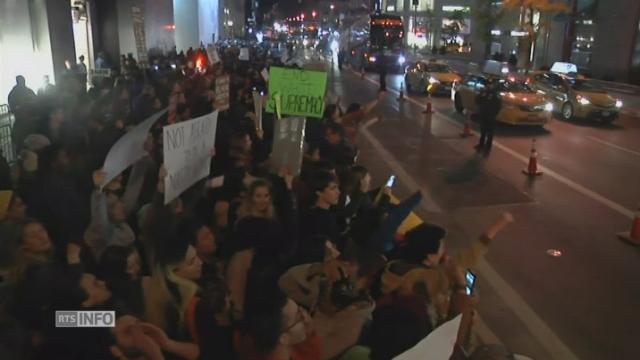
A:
(584, 304)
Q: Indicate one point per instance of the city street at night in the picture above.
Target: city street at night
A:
(319, 179)
(578, 305)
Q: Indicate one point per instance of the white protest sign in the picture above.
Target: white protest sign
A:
(222, 93)
(257, 104)
(288, 144)
(265, 74)
(212, 53)
(244, 54)
(188, 147)
(128, 149)
(438, 345)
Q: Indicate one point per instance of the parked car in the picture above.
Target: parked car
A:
(430, 76)
(521, 105)
(575, 96)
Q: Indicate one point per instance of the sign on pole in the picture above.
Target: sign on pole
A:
(128, 149)
(137, 14)
(257, 104)
(288, 145)
(302, 91)
(222, 93)
(212, 53)
(188, 147)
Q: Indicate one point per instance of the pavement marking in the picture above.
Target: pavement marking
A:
(525, 159)
(399, 171)
(543, 333)
(538, 328)
(603, 142)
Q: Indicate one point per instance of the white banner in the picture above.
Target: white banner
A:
(244, 54)
(128, 149)
(188, 147)
(438, 345)
(288, 145)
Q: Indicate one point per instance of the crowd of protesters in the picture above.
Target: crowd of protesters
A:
(266, 266)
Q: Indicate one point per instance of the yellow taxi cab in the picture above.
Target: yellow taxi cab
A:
(521, 105)
(574, 96)
(430, 76)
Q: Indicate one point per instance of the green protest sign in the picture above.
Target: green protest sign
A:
(301, 91)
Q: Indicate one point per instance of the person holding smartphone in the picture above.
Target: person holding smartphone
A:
(425, 269)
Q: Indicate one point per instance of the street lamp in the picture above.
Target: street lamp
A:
(332, 7)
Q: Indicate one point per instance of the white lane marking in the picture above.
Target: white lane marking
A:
(525, 159)
(603, 142)
(540, 330)
(397, 169)
(543, 333)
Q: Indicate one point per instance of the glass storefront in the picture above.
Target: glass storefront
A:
(635, 59)
(582, 48)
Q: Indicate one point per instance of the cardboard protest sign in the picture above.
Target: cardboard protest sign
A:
(302, 91)
(438, 345)
(188, 147)
(288, 141)
(257, 104)
(212, 53)
(244, 54)
(128, 149)
(221, 102)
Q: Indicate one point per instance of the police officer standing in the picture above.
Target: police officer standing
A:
(382, 71)
(489, 105)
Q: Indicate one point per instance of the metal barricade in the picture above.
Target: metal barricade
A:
(6, 126)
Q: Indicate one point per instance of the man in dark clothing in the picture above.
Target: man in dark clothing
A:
(320, 219)
(20, 95)
(335, 148)
(382, 71)
(489, 105)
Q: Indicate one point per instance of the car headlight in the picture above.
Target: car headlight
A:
(401, 59)
(548, 107)
(583, 101)
(618, 103)
(372, 59)
(433, 80)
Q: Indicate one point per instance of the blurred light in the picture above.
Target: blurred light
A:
(618, 103)
(519, 33)
(548, 107)
(372, 59)
(401, 59)
(314, 13)
(332, 7)
(496, 32)
(170, 27)
(230, 23)
(433, 80)
(305, 42)
(583, 100)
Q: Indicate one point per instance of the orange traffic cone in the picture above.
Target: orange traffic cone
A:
(532, 169)
(466, 131)
(633, 236)
(401, 96)
(429, 108)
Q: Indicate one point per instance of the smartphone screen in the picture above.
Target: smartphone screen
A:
(391, 181)
(471, 280)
